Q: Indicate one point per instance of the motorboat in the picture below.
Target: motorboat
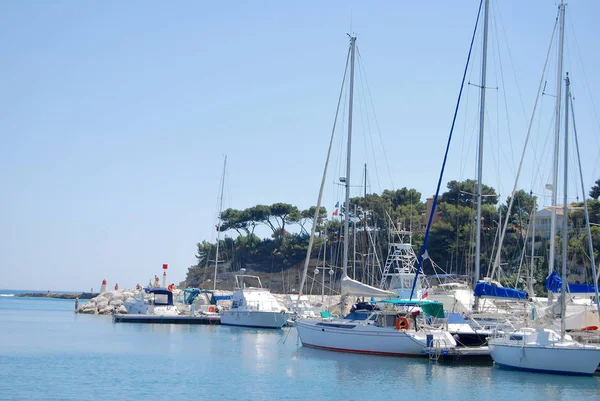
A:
(254, 306)
(152, 301)
(196, 301)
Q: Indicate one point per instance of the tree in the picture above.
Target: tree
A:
(308, 215)
(283, 213)
(595, 191)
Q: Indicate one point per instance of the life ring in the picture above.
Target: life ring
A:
(402, 323)
(211, 309)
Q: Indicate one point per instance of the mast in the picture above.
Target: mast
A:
(219, 223)
(364, 211)
(565, 236)
(559, 78)
(480, 153)
(532, 224)
(587, 214)
(324, 267)
(354, 244)
(348, 155)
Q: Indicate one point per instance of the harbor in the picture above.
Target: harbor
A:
(290, 201)
(132, 355)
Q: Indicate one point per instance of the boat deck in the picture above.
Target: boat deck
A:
(156, 319)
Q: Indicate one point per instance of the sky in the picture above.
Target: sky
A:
(115, 117)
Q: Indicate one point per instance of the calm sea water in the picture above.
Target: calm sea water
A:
(49, 353)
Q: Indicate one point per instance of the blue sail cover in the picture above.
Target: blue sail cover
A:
(554, 284)
(483, 289)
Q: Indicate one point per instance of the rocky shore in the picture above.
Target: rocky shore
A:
(108, 302)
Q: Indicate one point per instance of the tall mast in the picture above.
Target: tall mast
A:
(348, 155)
(565, 239)
(559, 72)
(480, 154)
(532, 225)
(219, 223)
(364, 211)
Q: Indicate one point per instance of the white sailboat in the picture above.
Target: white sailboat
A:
(395, 327)
(542, 349)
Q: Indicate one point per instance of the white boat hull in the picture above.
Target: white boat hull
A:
(570, 360)
(367, 339)
(253, 318)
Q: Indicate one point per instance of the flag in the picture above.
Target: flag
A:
(425, 295)
(337, 204)
(335, 212)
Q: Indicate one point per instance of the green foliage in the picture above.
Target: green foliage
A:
(595, 191)
(451, 243)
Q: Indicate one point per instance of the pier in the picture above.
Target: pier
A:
(156, 319)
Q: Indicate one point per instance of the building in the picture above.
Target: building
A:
(543, 220)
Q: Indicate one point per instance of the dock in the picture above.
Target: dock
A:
(157, 319)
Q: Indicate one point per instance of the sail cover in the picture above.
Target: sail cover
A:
(358, 289)
(554, 284)
(483, 289)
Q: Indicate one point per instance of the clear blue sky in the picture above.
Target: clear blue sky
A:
(115, 116)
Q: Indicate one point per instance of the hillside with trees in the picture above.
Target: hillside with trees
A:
(451, 244)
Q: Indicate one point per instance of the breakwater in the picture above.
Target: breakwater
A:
(80, 295)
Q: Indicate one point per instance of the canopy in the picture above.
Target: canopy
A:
(554, 284)
(431, 308)
(358, 289)
(483, 289)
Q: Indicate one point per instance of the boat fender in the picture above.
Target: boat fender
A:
(402, 323)
(211, 308)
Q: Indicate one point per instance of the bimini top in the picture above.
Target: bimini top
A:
(431, 308)
(162, 296)
(554, 284)
(483, 289)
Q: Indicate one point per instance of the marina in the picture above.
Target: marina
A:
(429, 229)
(88, 357)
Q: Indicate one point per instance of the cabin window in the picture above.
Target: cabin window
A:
(516, 337)
(161, 299)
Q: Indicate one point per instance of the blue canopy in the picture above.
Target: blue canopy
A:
(483, 289)
(157, 290)
(554, 284)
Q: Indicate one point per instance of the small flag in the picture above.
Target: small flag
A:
(337, 204)
(425, 295)
(335, 212)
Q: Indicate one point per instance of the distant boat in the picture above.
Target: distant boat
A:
(254, 306)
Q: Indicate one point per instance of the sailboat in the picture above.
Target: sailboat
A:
(390, 327)
(543, 349)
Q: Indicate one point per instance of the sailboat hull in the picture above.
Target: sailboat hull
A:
(567, 360)
(355, 337)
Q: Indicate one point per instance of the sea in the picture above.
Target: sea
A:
(48, 352)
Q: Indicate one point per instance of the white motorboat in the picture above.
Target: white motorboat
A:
(254, 306)
(159, 301)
